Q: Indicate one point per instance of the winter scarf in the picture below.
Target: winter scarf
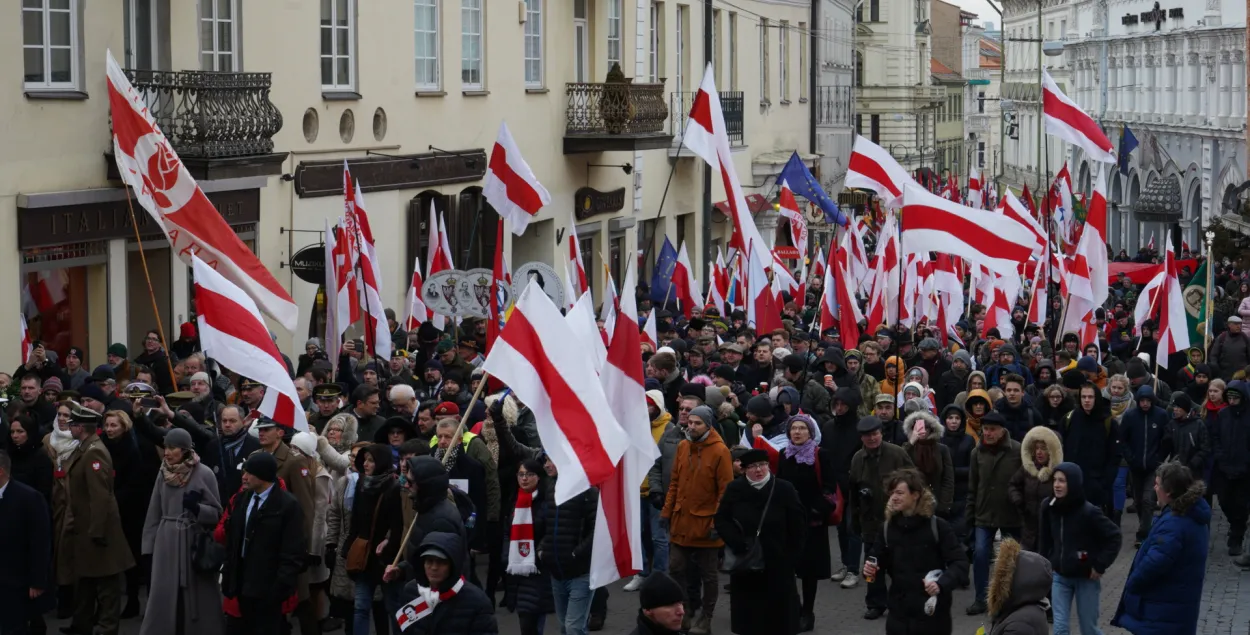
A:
(423, 605)
(374, 482)
(63, 443)
(1119, 404)
(232, 444)
(806, 453)
(450, 463)
(179, 473)
(521, 556)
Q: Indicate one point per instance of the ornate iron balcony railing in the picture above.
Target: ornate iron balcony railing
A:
(615, 109)
(731, 104)
(211, 115)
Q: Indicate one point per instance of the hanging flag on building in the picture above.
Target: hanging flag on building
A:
(1128, 143)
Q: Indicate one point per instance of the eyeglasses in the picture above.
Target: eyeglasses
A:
(684, 409)
(526, 475)
(756, 466)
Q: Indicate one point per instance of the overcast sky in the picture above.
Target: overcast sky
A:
(981, 8)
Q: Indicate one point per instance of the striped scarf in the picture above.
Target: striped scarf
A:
(521, 557)
(423, 605)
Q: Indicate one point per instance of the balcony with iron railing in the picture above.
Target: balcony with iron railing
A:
(615, 116)
(732, 104)
(221, 124)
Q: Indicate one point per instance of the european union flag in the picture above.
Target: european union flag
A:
(1128, 143)
(801, 182)
(662, 279)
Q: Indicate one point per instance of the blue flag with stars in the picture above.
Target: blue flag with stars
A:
(662, 279)
(1128, 143)
(801, 182)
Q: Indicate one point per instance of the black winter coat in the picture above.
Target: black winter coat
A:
(565, 534)
(276, 551)
(764, 601)
(1090, 441)
(840, 439)
(906, 552)
(159, 364)
(434, 512)
(527, 593)
(1020, 419)
(469, 612)
(1144, 438)
(960, 444)
(1191, 445)
(814, 558)
(229, 463)
(32, 466)
(949, 385)
(388, 521)
(1074, 534)
(1230, 437)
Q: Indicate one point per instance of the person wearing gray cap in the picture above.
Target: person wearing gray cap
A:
(869, 467)
(95, 544)
(265, 550)
(185, 497)
(1230, 352)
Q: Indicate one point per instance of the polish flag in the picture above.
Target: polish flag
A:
(872, 168)
(707, 136)
(718, 290)
(161, 183)
(762, 312)
(1066, 120)
(930, 223)
(788, 207)
(511, 187)
(1173, 324)
(27, 345)
(1148, 298)
(998, 313)
(417, 311)
(498, 299)
(1087, 275)
(575, 283)
(619, 517)
(369, 282)
(781, 274)
(558, 382)
(1151, 245)
(685, 287)
(438, 257)
(233, 332)
(648, 334)
(975, 198)
(883, 303)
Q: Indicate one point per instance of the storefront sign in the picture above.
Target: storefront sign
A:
(588, 202)
(309, 264)
(382, 173)
(106, 220)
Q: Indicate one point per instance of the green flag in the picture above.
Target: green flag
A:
(1196, 306)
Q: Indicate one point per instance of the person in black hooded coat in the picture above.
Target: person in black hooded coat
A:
(466, 611)
(377, 516)
(31, 464)
(961, 444)
(427, 485)
(132, 486)
(840, 440)
(1090, 436)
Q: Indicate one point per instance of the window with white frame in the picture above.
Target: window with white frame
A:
(338, 44)
(682, 12)
(50, 44)
(803, 37)
(471, 41)
(764, 60)
(980, 154)
(783, 76)
(653, 52)
(733, 51)
(614, 33)
(219, 35)
(534, 43)
(425, 39)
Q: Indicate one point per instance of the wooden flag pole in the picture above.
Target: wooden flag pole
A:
(160, 326)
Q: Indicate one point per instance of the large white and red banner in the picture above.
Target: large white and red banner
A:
(575, 282)
(233, 332)
(871, 167)
(369, 271)
(685, 287)
(932, 223)
(162, 185)
(417, 311)
(1066, 120)
(510, 185)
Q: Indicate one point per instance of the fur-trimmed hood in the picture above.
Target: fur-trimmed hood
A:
(930, 423)
(926, 507)
(1183, 505)
(1019, 577)
(511, 411)
(1053, 447)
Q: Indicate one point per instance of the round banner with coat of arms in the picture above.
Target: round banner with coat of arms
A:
(458, 293)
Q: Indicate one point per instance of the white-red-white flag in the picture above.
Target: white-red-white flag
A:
(931, 223)
(1173, 325)
(417, 311)
(883, 302)
(837, 304)
(334, 334)
(611, 300)
(27, 344)
(718, 286)
(818, 263)
(707, 136)
(871, 167)
(559, 384)
(438, 257)
(685, 287)
(761, 300)
(1066, 120)
(575, 282)
(788, 207)
(617, 550)
(976, 198)
(148, 164)
(369, 280)
(233, 332)
(580, 321)
(346, 295)
(511, 187)
(648, 333)
(1012, 208)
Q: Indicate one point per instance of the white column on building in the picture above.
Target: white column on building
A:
(1194, 72)
(1113, 69)
(1159, 90)
(179, 294)
(1225, 79)
(1171, 87)
(1128, 90)
(119, 325)
(1239, 84)
(1147, 77)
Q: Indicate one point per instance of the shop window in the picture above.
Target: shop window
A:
(54, 302)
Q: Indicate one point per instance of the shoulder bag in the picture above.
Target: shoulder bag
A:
(357, 560)
(753, 559)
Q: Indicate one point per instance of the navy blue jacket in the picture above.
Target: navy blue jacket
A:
(1073, 533)
(1230, 436)
(1163, 592)
(1144, 437)
(25, 539)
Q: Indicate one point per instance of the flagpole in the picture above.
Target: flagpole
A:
(1206, 298)
(898, 319)
(160, 326)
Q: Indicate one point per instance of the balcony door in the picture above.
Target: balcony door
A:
(142, 43)
(581, 42)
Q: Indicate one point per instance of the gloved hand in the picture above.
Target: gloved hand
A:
(191, 502)
(100, 541)
(656, 499)
(330, 556)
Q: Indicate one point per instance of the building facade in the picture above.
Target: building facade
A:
(1174, 74)
(835, 90)
(375, 85)
(982, 69)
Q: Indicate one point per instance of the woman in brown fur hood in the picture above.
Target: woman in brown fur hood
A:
(1040, 452)
(1018, 593)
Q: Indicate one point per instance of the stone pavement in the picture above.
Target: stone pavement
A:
(1225, 610)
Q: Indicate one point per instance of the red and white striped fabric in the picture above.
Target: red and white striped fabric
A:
(931, 223)
(580, 321)
(857, 261)
(611, 303)
(619, 517)
(162, 185)
(501, 279)
(998, 312)
(575, 283)
(1173, 324)
(1087, 275)
(872, 168)
(438, 258)
(648, 333)
(1151, 245)
(911, 291)
(818, 263)
(420, 607)
(837, 305)
(949, 291)
(781, 274)
(1038, 307)
(761, 301)
(27, 344)
(788, 207)
(976, 199)
(1066, 120)
(883, 303)
(685, 287)
(707, 136)
(369, 280)
(718, 287)
(346, 299)
(333, 334)
(1012, 208)
(1063, 183)
(417, 311)
(511, 187)
(233, 332)
(1148, 297)
(559, 384)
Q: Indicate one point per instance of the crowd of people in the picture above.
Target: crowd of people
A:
(152, 486)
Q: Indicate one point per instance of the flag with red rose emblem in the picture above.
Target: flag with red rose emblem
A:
(161, 183)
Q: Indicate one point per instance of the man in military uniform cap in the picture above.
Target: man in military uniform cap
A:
(326, 399)
(251, 392)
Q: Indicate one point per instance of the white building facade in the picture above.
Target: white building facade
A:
(835, 91)
(980, 103)
(1176, 77)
